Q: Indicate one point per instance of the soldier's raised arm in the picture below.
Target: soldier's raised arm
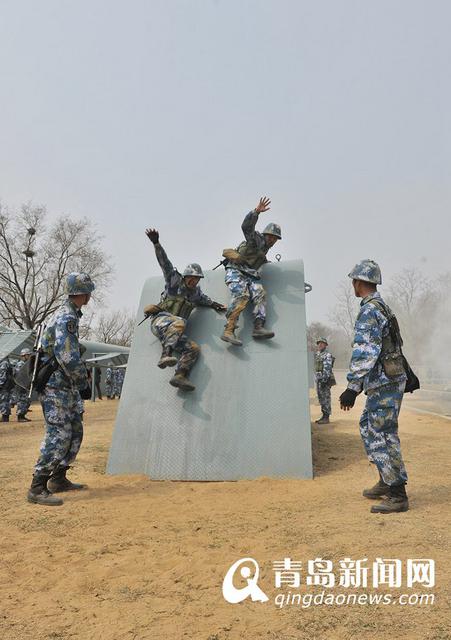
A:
(163, 260)
(249, 222)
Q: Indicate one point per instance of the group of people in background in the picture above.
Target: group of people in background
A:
(114, 379)
(11, 394)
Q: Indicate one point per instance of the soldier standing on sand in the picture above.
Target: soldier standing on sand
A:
(22, 399)
(377, 369)
(324, 362)
(61, 401)
(6, 386)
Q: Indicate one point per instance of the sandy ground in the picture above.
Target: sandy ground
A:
(134, 559)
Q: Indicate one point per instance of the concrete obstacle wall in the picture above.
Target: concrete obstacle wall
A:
(249, 415)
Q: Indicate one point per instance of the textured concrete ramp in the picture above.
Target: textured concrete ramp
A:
(249, 415)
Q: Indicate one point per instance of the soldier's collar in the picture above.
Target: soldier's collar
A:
(75, 308)
(369, 297)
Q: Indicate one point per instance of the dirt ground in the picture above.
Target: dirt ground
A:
(130, 558)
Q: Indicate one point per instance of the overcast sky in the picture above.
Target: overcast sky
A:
(180, 114)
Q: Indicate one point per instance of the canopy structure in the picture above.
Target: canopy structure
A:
(109, 360)
(12, 342)
(249, 415)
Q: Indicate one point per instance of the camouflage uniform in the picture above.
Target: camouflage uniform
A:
(118, 381)
(21, 395)
(379, 420)
(323, 365)
(109, 383)
(243, 280)
(61, 401)
(169, 328)
(5, 391)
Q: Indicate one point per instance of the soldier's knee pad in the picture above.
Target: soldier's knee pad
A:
(179, 324)
(195, 347)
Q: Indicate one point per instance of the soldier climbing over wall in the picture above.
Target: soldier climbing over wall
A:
(169, 317)
(243, 277)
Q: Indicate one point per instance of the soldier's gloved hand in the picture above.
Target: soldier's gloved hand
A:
(347, 399)
(153, 235)
(217, 306)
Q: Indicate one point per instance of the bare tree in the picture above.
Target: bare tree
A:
(115, 327)
(35, 258)
(344, 312)
(316, 330)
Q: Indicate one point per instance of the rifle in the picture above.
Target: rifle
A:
(37, 348)
(221, 264)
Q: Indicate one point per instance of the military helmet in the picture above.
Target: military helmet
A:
(78, 284)
(25, 352)
(273, 229)
(368, 271)
(193, 269)
(321, 339)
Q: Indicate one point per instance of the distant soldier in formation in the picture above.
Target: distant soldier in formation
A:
(118, 381)
(109, 383)
(170, 316)
(243, 277)
(324, 362)
(383, 380)
(6, 387)
(21, 395)
(96, 380)
(61, 401)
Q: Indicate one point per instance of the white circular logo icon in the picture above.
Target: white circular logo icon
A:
(234, 595)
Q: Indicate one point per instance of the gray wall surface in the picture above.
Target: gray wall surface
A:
(249, 415)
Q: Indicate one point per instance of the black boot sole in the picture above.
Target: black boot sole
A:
(236, 343)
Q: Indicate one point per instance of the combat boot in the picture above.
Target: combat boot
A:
(229, 333)
(58, 481)
(39, 494)
(379, 490)
(22, 418)
(324, 419)
(181, 381)
(396, 502)
(259, 332)
(167, 359)
(5, 418)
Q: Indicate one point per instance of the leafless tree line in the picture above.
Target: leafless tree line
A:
(36, 256)
(423, 309)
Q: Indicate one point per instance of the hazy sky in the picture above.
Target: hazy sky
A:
(180, 114)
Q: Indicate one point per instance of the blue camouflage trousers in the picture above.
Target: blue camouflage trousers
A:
(170, 329)
(64, 429)
(109, 389)
(242, 289)
(323, 391)
(22, 401)
(379, 431)
(5, 403)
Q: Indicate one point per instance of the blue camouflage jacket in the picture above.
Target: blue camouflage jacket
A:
(5, 373)
(366, 370)
(60, 339)
(175, 284)
(324, 363)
